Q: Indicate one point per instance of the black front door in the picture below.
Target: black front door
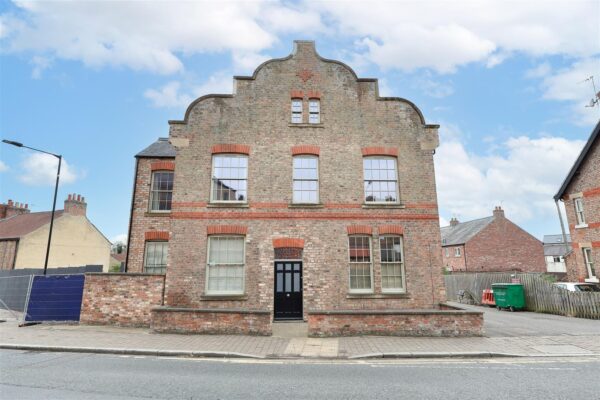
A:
(288, 290)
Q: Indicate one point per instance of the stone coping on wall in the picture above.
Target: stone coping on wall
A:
(132, 274)
(426, 311)
(210, 310)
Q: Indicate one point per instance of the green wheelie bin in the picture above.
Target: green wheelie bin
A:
(509, 295)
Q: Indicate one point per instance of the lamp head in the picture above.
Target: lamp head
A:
(12, 142)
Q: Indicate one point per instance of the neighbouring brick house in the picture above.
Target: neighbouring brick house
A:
(491, 244)
(304, 195)
(580, 193)
(75, 240)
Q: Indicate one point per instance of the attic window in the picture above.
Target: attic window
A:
(314, 111)
(296, 111)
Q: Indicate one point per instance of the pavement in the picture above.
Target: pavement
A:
(521, 334)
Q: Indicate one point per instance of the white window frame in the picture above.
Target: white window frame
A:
(402, 269)
(294, 112)
(208, 265)
(579, 211)
(212, 180)
(314, 110)
(457, 252)
(165, 243)
(318, 180)
(588, 259)
(447, 252)
(361, 291)
(397, 189)
(150, 199)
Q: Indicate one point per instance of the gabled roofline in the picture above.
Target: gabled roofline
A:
(327, 60)
(578, 162)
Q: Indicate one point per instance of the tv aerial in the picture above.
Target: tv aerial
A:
(594, 101)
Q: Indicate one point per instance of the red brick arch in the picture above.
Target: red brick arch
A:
(226, 230)
(360, 230)
(231, 148)
(380, 151)
(306, 149)
(162, 166)
(279, 243)
(391, 230)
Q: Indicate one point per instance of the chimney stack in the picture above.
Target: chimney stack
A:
(453, 221)
(75, 205)
(11, 208)
(498, 212)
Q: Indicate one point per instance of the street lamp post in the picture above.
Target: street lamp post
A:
(17, 144)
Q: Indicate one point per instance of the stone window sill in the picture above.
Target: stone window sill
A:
(227, 205)
(378, 296)
(303, 125)
(383, 205)
(581, 226)
(222, 297)
(305, 205)
(157, 214)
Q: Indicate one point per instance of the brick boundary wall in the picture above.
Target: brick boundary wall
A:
(446, 321)
(121, 299)
(211, 321)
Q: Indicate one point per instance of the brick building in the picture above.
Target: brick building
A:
(491, 244)
(303, 195)
(75, 240)
(580, 193)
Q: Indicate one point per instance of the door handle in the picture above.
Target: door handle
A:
(287, 295)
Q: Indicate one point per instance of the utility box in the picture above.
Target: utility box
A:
(509, 295)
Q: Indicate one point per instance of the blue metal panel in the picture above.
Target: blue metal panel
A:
(55, 298)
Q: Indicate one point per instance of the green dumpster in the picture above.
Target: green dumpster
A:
(509, 295)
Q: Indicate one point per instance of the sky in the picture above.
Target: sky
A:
(508, 81)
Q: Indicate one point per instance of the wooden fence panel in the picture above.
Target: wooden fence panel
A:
(540, 295)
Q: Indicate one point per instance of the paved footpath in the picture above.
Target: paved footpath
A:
(103, 339)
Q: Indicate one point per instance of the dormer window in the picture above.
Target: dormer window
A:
(314, 111)
(296, 111)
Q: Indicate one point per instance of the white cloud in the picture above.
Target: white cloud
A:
(570, 85)
(522, 175)
(40, 170)
(149, 35)
(3, 167)
(39, 65)
(168, 96)
(121, 238)
(445, 35)
(172, 95)
(434, 88)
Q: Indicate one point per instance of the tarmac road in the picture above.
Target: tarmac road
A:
(34, 375)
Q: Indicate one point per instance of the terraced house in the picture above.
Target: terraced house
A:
(303, 195)
(580, 193)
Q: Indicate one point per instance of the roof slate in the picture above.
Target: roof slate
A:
(461, 233)
(160, 148)
(20, 225)
(556, 249)
(554, 239)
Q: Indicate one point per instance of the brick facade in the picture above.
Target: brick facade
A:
(585, 184)
(211, 321)
(354, 122)
(8, 253)
(120, 299)
(447, 323)
(143, 222)
(501, 246)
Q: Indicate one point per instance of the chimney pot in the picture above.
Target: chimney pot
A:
(453, 221)
(27, 205)
(10, 202)
(78, 197)
(82, 199)
(70, 197)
